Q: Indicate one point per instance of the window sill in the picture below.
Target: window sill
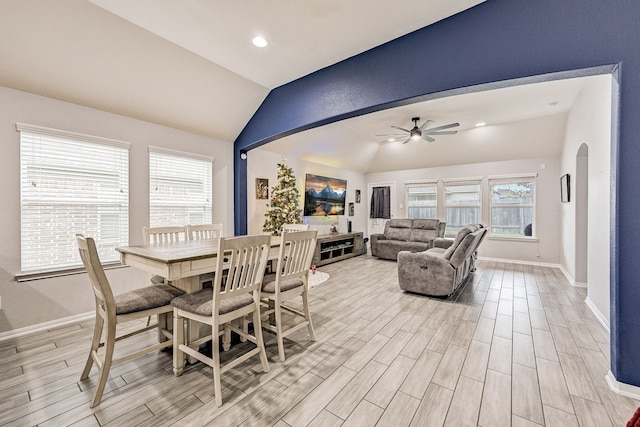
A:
(48, 274)
(514, 239)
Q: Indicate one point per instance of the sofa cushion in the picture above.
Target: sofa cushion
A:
(458, 255)
(424, 230)
(398, 229)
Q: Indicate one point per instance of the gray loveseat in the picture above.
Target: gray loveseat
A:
(439, 271)
(406, 235)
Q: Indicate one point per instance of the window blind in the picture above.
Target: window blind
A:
(180, 188)
(71, 183)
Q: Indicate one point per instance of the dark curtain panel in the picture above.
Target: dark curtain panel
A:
(380, 203)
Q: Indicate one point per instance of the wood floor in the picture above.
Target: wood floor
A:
(516, 346)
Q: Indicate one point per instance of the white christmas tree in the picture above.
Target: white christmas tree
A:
(284, 207)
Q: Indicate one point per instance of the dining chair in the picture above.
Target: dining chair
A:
(112, 311)
(162, 236)
(204, 231)
(295, 227)
(291, 280)
(233, 296)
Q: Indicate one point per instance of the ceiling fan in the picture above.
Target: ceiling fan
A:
(423, 132)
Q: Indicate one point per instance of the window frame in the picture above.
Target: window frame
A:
(513, 179)
(422, 183)
(208, 187)
(461, 182)
(61, 172)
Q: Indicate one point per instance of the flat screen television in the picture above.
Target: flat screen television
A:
(324, 196)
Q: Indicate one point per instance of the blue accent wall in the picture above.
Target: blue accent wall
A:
(495, 41)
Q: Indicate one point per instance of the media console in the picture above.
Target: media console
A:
(336, 247)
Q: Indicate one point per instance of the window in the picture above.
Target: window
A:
(180, 190)
(512, 206)
(462, 204)
(70, 183)
(422, 200)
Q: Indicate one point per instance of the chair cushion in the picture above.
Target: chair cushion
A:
(146, 298)
(201, 302)
(156, 280)
(269, 284)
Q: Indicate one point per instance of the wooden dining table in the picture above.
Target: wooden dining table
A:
(181, 263)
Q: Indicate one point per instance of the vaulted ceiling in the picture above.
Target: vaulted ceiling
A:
(190, 64)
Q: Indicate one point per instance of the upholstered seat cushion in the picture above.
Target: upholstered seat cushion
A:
(269, 284)
(201, 302)
(146, 298)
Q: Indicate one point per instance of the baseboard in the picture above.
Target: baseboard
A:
(539, 264)
(622, 388)
(603, 320)
(47, 325)
(517, 261)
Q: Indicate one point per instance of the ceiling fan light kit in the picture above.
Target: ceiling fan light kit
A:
(424, 132)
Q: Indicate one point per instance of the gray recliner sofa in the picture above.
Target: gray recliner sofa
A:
(406, 235)
(439, 271)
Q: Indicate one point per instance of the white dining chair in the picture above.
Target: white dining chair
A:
(204, 231)
(244, 259)
(291, 280)
(112, 311)
(295, 227)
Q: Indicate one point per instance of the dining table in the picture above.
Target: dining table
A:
(181, 263)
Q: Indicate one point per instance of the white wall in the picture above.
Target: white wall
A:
(39, 301)
(589, 122)
(263, 164)
(544, 249)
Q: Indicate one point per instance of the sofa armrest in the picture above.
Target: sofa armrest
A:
(427, 273)
(375, 238)
(442, 242)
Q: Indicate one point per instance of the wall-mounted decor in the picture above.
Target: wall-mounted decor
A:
(565, 188)
(351, 209)
(357, 196)
(324, 196)
(262, 188)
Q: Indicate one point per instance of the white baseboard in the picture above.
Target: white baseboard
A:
(622, 388)
(47, 325)
(601, 318)
(517, 261)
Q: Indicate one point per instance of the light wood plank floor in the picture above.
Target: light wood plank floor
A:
(516, 346)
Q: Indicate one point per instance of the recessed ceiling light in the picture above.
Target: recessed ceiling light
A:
(259, 41)
(480, 124)
(391, 140)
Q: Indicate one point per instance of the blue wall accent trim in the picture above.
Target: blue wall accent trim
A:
(495, 41)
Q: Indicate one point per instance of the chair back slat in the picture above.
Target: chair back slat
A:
(204, 231)
(296, 253)
(163, 235)
(99, 283)
(244, 260)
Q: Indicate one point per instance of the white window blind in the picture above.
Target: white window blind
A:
(180, 188)
(462, 204)
(71, 183)
(422, 199)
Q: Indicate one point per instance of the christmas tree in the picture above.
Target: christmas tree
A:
(284, 208)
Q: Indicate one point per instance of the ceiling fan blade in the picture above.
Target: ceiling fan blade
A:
(406, 140)
(397, 127)
(427, 138)
(442, 132)
(449, 126)
(425, 124)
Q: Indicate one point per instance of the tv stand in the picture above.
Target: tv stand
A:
(338, 246)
